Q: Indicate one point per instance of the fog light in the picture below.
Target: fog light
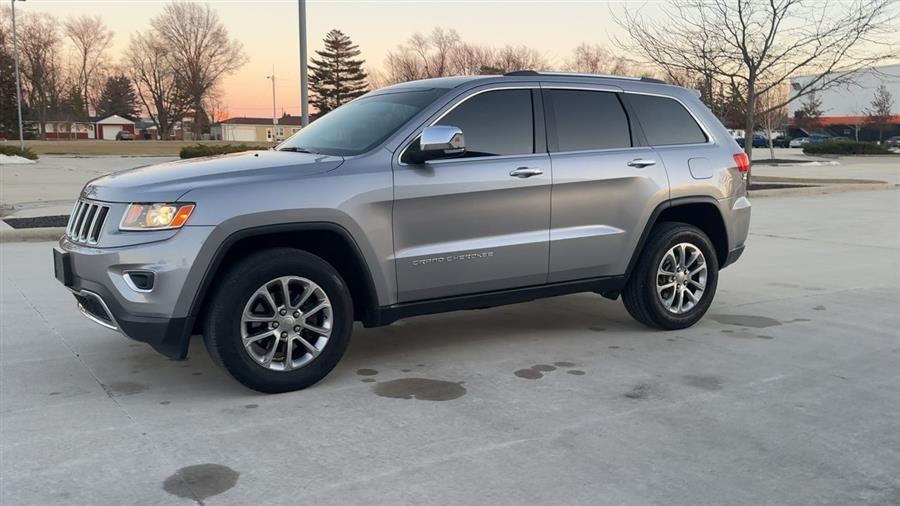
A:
(140, 281)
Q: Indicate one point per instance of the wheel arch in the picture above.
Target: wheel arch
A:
(701, 211)
(330, 241)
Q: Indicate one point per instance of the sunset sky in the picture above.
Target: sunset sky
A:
(268, 30)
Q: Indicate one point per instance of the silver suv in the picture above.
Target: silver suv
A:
(424, 197)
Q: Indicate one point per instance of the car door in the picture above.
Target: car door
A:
(605, 185)
(473, 223)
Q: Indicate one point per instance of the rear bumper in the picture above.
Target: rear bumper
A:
(733, 256)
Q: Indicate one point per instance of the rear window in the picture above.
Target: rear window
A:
(665, 121)
(589, 120)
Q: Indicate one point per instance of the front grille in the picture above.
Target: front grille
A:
(92, 307)
(86, 222)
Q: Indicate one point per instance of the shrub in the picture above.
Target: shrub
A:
(845, 148)
(212, 150)
(15, 151)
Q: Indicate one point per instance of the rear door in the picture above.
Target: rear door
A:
(605, 184)
(467, 225)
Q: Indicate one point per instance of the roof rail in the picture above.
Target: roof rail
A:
(576, 74)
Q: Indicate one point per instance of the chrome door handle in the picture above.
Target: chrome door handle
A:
(641, 163)
(524, 172)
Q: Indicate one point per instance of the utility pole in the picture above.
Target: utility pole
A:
(304, 79)
(18, 84)
(274, 114)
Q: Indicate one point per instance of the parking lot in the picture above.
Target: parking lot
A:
(788, 392)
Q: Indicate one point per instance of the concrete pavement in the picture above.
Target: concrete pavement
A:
(788, 392)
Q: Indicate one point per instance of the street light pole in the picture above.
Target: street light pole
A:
(18, 84)
(274, 114)
(304, 81)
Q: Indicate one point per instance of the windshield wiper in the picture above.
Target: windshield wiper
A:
(299, 150)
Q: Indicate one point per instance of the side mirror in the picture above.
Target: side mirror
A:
(438, 142)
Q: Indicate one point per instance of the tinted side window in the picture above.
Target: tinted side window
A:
(665, 121)
(495, 123)
(589, 120)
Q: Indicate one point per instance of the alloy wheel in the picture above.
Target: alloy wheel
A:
(286, 323)
(681, 278)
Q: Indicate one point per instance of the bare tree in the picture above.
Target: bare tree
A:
(443, 53)
(596, 59)
(772, 115)
(43, 73)
(91, 39)
(809, 115)
(200, 50)
(150, 67)
(754, 46)
(881, 111)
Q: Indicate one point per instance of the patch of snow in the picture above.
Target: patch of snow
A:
(14, 160)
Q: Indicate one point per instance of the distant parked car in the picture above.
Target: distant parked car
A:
(893, 142)
(818, 138)
(780, 141)
(759, 141)
(798, 142)
(124, 135)
(837, 139)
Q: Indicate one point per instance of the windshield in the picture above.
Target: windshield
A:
(359, 126)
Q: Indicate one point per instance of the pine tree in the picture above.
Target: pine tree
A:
(9, 123)
(118, 97)
(336, 77)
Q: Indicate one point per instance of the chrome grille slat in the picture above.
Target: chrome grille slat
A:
(86, 222)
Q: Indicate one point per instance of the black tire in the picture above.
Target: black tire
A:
(640, 295)
(222, 334)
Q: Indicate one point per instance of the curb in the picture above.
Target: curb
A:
(822, 190)
(32, 234)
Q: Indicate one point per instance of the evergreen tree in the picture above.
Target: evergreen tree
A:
(118, 97)
(336, 77)
(9, 122)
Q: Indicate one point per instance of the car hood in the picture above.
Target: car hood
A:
(166, 182)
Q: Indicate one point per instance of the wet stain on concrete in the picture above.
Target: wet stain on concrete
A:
(671, 340)
(765, 337)
(201, 481)
(529, 374)
(366, 372)
(368, 380)
(543, 367)
(118, 388)
(196, 374)
(564, 364)
(613, 347)
(251, 406)
(704, 382)
(420, 365)
(597, 329)
(53, 393)
(423, 389)
(640, 391)
(819, 308)
(798, 320)
(576, 372)
(740, 320)
(405, 370)
(165, 403)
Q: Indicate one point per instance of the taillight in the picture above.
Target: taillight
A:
(742, 161)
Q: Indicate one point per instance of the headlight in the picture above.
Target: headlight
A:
(155, 216)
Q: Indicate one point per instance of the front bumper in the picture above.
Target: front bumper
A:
(96, 277)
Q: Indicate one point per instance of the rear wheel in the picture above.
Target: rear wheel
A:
(280, 321)
(674, 281)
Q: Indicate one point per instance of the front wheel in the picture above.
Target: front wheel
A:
(280, 320)
(675, 279)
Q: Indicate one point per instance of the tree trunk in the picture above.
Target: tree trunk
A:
(769, 136)
(749, 126)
